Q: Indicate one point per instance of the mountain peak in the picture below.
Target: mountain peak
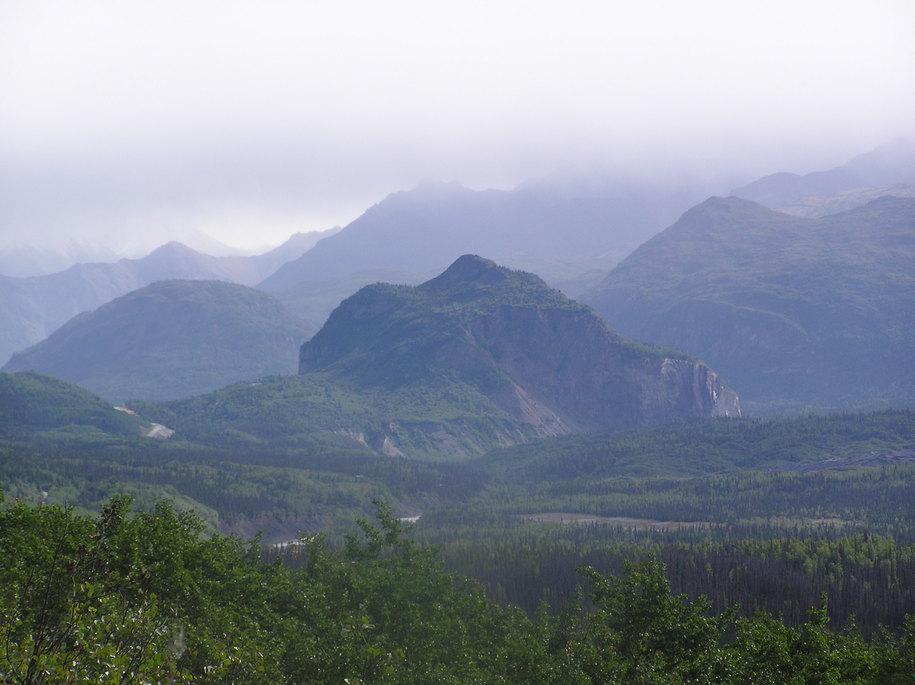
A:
(172, 248)
(730, 202)
(468, 268)
(787, 307)
(473, 279)
(717, 213)
(426, 191)
(529, 350)
(172, 338)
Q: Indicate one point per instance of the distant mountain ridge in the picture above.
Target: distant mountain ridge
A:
(32, 307)
(421, 230)
(889, 164)
(170, 339)
(816, 207)
(21, 260)
(784, 307)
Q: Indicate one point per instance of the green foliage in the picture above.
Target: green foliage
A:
(642, 633)
(706, 446)
(144, 598)
(441, 418)
(69, 609)
(33, 402)
(832, 514)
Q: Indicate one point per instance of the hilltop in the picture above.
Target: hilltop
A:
(170, 339)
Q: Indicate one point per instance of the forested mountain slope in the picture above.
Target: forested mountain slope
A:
(31, 308)
(560, 233)
(170, 339)
(785, 308)
(541, 357)
(478, 357)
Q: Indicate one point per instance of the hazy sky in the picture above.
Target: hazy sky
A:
(252, 120)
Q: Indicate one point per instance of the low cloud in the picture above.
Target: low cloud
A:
(286, 114)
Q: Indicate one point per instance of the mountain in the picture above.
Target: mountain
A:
(890, 164)
(784, 307)
(479, 357)
(816, 207)
(31, 308)
(28, 260)
(35, 404)
(170, 339)
(313, 301)
(557, 231)
(540, 357)
(297, 245)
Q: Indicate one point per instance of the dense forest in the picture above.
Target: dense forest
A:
(786, 546)
(117, 598)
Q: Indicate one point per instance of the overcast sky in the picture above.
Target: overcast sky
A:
(251, 120)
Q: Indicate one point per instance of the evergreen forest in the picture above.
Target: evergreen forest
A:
(712, 550)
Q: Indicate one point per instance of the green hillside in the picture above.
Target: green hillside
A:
(32, 404)
(171, 339)
(440, 418)
(785, 308)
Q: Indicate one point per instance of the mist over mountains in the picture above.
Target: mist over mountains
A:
(505, 414)
(622, 392)
(890, 164)
(31, 308)
(727, 268)
(422, 230)
(408, 237)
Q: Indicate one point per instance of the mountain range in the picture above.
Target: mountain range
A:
(478, 357)
(532, 227)
(31, 308)
(570, 237)
(570, 232)
(784, 307)
(890, 164)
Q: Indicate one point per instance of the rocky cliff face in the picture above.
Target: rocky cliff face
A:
(569, 368)
(543, 359)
